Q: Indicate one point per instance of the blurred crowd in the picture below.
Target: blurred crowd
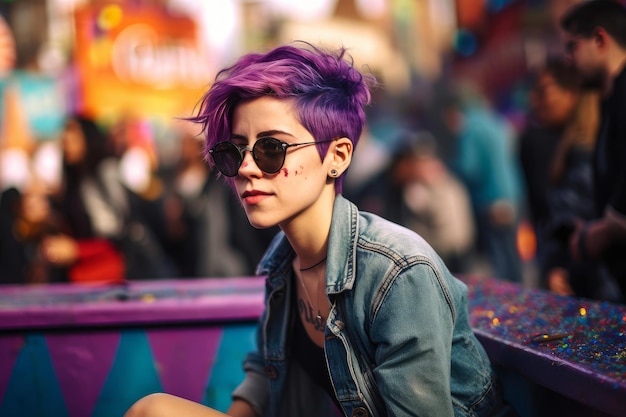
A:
(496, 193)
(451, 174)
(493, 194)
(117, 210)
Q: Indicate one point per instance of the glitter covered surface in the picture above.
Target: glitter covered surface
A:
(574, 346)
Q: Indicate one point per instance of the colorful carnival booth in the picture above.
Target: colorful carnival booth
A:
(77, 351)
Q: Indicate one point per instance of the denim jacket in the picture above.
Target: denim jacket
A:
(398, 339)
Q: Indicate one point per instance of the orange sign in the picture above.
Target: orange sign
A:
(7, 48)
(143, 61)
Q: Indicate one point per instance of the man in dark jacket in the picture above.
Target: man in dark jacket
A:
(596, 43)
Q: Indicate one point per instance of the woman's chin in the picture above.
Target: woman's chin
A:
(260, 223)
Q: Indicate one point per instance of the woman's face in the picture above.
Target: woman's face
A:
(551, 103)
(35, 204)
(588, 56)
(73, 142)
(292, 193)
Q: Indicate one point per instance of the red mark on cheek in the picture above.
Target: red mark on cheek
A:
(286, 172)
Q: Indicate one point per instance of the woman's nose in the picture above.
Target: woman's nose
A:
(248, 164)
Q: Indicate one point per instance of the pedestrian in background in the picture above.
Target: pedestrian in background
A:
(595, 42)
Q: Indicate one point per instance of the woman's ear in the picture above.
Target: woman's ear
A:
(340, 155)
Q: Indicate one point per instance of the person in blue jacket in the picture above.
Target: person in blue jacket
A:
(362, 317)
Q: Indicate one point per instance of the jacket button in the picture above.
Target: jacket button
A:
(359, 412)
(271, 372)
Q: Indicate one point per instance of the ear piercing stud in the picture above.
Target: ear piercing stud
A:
(333, 173)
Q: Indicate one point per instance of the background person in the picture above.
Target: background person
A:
(484, 159)
(553, 96)
(26, 219)
(418, 191)
(570, 197)
(90, 208)
(596, 44)
(97, 228)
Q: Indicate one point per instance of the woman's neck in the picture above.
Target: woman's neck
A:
(308, 232)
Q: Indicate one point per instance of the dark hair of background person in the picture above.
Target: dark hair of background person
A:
(580, 132)
(96, 146)
(96, 151)
(564, 74)
(585, 18)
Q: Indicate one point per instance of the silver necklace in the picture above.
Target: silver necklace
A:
(318, 319)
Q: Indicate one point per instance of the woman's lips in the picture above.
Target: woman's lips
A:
(254, 196)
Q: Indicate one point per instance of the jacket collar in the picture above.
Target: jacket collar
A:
(341, 265)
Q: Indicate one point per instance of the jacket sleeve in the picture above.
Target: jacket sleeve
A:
(618, 197)
(413, 331)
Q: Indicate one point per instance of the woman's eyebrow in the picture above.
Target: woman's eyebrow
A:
(236, 136)
(272, 133)
(263, 134)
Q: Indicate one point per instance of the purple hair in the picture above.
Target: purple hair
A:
(328, 93)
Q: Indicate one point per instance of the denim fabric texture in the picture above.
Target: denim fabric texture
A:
(398, 338)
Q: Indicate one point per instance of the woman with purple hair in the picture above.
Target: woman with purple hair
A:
(362, 318)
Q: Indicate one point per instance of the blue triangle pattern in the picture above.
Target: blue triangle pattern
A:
(33, 389)
(132, 376)
(227, 372)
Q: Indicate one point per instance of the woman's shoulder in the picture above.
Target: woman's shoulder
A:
(382, 235)
(388, 252)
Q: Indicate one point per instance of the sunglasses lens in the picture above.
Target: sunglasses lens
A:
(269, 155)
(227, 158)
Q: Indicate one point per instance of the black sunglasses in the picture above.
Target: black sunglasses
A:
(268, 153)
